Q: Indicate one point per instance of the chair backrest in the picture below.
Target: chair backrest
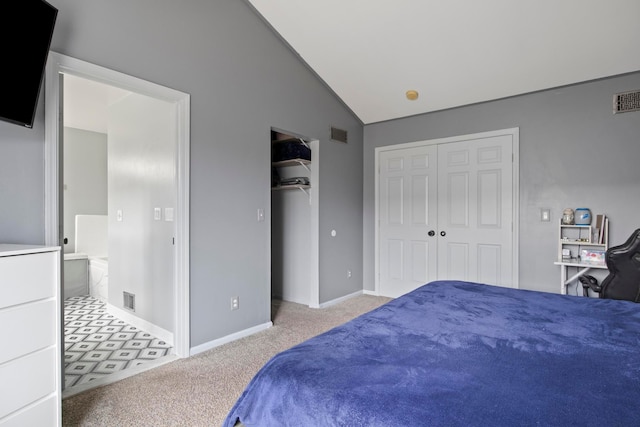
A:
(623, 262)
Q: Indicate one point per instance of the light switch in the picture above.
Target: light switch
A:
(157, 214)
(119, 215)
(545, 215)
(260, 214)
(168, 214)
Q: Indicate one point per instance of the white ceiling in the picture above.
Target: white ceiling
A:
(86, 101)
(454, 52)
(370, 52)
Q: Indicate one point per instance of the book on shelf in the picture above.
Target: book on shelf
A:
(598, 229)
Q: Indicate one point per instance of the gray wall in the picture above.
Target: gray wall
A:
(243, 80)
(85, 178)
(22, 182)
(573, 153)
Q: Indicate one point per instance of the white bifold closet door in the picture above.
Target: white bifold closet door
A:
(445, 213)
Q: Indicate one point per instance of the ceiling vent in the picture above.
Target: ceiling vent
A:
(625, 102)
(339, 135)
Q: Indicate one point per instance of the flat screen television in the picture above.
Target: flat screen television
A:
(26, 29)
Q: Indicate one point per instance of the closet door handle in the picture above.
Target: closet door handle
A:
(443, 233)
(431, 233)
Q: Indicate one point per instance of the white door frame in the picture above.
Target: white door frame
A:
(61, 64)
(515, 134)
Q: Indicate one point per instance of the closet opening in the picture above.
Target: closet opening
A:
(294, 219)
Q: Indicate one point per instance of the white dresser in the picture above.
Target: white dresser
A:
(30, 334)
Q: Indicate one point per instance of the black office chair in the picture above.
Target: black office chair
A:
(623, 262)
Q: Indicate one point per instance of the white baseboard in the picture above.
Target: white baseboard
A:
(224, 340)
(374, 293)
(139, 323)
(338, 300)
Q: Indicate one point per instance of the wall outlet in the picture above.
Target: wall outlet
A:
(349, 274)
(235, 303)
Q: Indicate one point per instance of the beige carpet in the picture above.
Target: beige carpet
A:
(200, 390)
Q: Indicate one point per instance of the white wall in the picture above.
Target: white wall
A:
(85, 178)
(141, 146)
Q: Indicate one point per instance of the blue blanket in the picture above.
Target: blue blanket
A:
(459, 354)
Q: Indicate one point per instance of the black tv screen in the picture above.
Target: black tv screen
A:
(26, 29)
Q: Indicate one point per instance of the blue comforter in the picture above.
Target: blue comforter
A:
(455, 353)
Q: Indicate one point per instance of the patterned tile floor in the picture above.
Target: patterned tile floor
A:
(97, 344)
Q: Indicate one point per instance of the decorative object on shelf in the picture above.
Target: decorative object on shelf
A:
(567, 217)
(583, 216)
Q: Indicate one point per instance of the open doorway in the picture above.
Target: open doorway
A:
(295, 181)
(146, 214)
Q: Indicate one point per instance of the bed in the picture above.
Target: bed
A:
(454, 353)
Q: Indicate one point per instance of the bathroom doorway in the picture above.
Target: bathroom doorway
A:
(147, 253)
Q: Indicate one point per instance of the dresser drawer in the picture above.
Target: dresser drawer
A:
(43, 414)
(27, 379)
(27, 328)
(25, 278)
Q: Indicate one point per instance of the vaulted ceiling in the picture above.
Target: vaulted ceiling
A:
(454, 52)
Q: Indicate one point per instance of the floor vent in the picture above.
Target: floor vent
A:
(129, 301)
(339, 135)
(625, 102)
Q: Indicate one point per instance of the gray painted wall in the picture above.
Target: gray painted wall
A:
(243, 80)
(573, 153)
(22, 182)
(85, 178)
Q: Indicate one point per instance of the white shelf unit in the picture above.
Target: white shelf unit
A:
(575, 238)
(578, 237)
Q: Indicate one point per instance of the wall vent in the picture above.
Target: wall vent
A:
(129, 301)
(625, 102)
(339, 135)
